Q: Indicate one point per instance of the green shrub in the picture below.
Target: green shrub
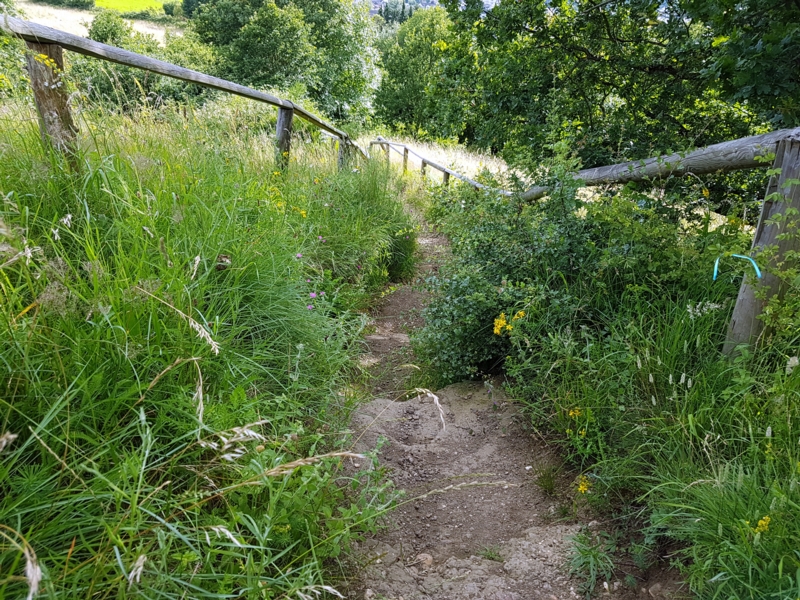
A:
(69, 3)
(605, 318)
(177, 321)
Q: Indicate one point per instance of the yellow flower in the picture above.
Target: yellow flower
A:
(276, 173)
(763, 525)
(499, 323)
(584, 484)
(569, 431)
(582, 433)
(574, 413)
(303, 214)
(706, 193)
(519, 315)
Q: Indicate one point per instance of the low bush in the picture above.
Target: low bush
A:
(69, 3)
(178, 318)
(603, 314)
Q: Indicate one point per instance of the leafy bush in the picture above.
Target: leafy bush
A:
(604, 316)
(177, 321)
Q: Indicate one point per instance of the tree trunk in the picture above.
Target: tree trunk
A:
(777, 230)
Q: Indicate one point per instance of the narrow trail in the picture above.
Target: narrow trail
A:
(473, 524)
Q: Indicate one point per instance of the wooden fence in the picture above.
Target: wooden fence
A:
(52, 103)
(778, 227)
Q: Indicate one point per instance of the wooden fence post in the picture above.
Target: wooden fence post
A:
(405, 160)
(424, 167)
(386, 150)
(446, 178)
(340, 158)
(284, 136)
(45, 67)
(778, 228)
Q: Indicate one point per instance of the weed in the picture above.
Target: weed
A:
(547, 479)
(491, 553)
(591, 560)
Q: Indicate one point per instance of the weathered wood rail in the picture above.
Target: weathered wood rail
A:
(56, 122)
(734, 155)
(426, 162)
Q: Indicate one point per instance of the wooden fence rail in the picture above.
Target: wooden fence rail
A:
(49, 41)
(426, 162)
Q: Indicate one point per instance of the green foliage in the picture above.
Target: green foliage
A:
(412, 60)
(173, 9)
(324, 45)
(178, 318)
(591, 560)
(129, 88)
(603, 314)
(621, 80)
(754, 52)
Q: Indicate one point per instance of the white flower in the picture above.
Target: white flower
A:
(689, 384)
(651, 378)
(66, 221)
(670, 378)
(653, 400)
(56, 237)
(638, 362)
(791, 364)
(6, 439)
(769, 432)
(136, 570)
(683, 378)
(194, 268)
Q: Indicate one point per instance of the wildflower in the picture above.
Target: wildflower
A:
(312, 295)
(706, 193)
(519, 315)
(194, 267)
(6, 439)
(148, 232)
(689, 384)
(303, 214)
(584, 485)
(582, 433)
(791, 364)
(298, 255)
(650, 378)
(638, 362)
(136, 570)
(322, 293)
(670, 378)
(56, 237)
(769, 432)
(683, 378)
(499, 323)
(762, 526)
(653, 400)
(569, 431)
(276, 173)
(574, 413)
(310, 307)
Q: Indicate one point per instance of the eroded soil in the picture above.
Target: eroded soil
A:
(473, 523)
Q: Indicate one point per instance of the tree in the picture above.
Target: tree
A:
(412, 61)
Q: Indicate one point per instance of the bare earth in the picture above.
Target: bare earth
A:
(73, 20)
(473, 523)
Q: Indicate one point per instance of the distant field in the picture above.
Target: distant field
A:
(128, 5)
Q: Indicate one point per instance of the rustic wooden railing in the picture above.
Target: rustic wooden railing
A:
(387, 145)
(52, 103)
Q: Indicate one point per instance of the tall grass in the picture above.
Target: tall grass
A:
(177, 320)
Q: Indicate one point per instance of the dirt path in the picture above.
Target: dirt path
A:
(474, 523)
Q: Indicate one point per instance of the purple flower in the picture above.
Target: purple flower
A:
(322, 293)
(358, 267)
(310, 307)
(308, 281)
(319, 237)
(312, 295)
(298, 255)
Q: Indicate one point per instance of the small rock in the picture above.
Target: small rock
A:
(655, 590)
(426, 560)
(369, 594)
